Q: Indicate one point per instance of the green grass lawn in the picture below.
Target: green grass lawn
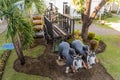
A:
(115, 19)
(107, 26)
(34, 52)
(10, 73)
(111, 57)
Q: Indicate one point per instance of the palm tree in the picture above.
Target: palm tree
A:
(38, 4)
(19, 28)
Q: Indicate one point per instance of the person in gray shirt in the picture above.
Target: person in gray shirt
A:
(80, 49)
(65, 51)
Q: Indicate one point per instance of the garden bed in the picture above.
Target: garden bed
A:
(46, 65)
(3, 59)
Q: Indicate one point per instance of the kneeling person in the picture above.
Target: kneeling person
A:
(78, 63)
(65, 51)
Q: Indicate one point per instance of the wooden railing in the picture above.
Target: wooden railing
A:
(57, 25)
(67, 23)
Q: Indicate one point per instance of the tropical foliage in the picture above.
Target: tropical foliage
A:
(18, 24)
(19, 27)
(79, 5)
(38, 4)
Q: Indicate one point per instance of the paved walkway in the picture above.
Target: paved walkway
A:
(115, 26)
(100, 30)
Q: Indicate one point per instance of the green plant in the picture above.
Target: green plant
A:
(4, 57)
(77, 32)
(94, 44)
(11, 74)
(91, 35)
(113, 11)
(77, 37)
(111, 56)
(106, 15)
(98, 38)
(70, 40)
(19, 27)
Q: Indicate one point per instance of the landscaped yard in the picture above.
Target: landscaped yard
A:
(10, 73)
(114, 19)
(111, 57)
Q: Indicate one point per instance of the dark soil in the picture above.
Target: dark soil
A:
(45, 65)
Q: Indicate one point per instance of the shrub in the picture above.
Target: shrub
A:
(106, 15)
(77, 37)
(98, 38)
(113, 11)
(70, 40)
(94, 44)
(77, 32)
(91, 35)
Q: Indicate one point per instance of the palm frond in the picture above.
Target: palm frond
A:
(18, 23)
(24, 28)
(79, 5)
(40, 6)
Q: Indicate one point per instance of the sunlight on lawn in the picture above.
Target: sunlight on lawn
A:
(111, 57)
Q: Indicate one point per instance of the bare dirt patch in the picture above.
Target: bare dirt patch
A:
(46, 65)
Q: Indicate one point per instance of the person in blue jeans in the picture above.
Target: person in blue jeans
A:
(80, 49)
(65, 51)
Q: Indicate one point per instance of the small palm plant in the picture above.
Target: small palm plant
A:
(38, 4)
(19, 27)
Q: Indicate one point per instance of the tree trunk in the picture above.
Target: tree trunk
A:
(87, 19)
(18, 50)
(84, 32)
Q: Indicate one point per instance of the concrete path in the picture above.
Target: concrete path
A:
(100, 30)
(115, 26)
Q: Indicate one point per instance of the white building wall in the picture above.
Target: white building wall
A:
(94, 4)
(59, 5)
